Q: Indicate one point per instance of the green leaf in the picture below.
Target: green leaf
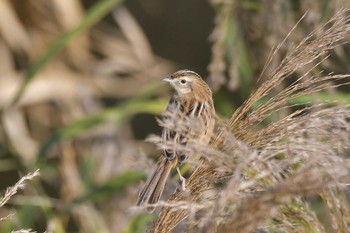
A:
(116, 114)
(322, 97)
(87, 168)
(112, 187)
(27, 215)
(223, 104)
(233, 41)
(93, 15)
(138, 224)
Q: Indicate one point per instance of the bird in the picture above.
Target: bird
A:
(191, 116)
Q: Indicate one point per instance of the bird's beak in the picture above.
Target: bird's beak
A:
(167, 79)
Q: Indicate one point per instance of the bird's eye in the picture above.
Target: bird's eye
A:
(182, 81)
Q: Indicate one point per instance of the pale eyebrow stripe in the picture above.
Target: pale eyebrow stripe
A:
(184, 73)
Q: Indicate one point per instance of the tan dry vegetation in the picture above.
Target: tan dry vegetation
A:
(278, 166)
(71, 86)
(274, 165)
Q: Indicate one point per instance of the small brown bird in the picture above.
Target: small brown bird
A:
(191, 112)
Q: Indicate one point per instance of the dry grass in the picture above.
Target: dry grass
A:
(24, 231)
(275, 165)
(106, 63)
(19, 185)
(273, 170)
(10, 191)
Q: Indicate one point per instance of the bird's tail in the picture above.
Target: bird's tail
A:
(153, 188)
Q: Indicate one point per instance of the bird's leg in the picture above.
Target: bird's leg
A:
(183, 179)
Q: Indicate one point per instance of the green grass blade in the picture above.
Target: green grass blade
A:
(321, 97)
(138, 224)
(116, 114)
(93, 15)
(111, 187)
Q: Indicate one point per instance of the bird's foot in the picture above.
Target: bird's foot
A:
(183, 179)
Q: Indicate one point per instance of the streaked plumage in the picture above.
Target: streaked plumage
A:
(192, 114)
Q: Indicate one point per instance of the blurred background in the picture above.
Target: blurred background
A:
(80, 91)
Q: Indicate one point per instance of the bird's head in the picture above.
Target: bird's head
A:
(187, 82)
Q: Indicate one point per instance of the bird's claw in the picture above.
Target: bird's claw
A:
(183, 179)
